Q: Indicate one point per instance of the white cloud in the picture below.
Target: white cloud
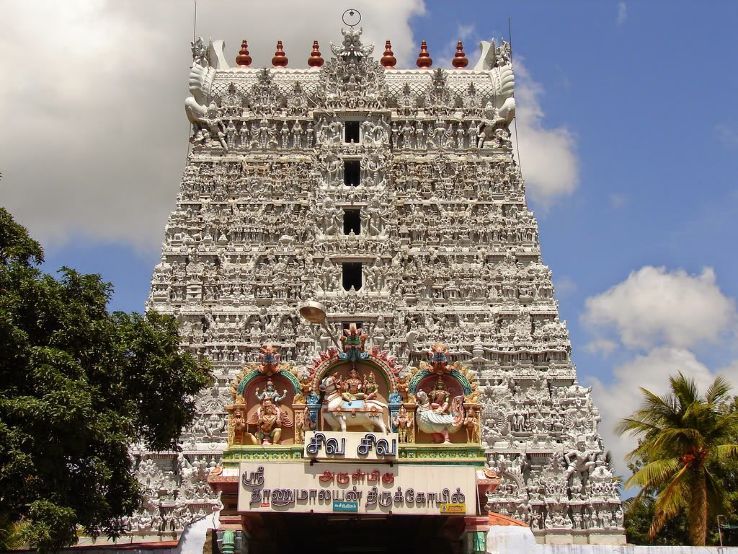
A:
(601, 346)
(622, 397)
(94, 91)
(547, 156)
(622, 13)
(564, 286)
(654, 306)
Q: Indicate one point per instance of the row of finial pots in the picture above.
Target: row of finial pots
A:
(387, 60)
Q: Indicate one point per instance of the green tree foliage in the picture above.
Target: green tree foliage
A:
(78, 386)
(687, 443)
(639, 514)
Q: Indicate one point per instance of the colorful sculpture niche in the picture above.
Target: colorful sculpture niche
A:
(440, 412)
(434, 402)
(437, 414)
(347, 402)
(268, 418)
(258, 415)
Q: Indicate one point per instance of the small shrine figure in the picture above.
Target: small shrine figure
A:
(439, 397)
(438, 355)
(352, 387)
(370, 386)
(471, 423)
(270, 393)
(300, 420)
(353, 341)
(269, 420)
(402, 422)
(238, 424)
(403, 386)
(269, 358)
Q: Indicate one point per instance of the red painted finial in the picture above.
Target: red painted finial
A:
(280, 58)
(424, 59)
(315, 59)
(388, 58)
(460, 60)
(243, 58)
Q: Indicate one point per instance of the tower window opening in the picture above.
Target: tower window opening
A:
(351, 275)
(351, 131)
(351, 172)
(351, 222)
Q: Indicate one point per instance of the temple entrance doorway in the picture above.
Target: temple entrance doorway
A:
(352, 534)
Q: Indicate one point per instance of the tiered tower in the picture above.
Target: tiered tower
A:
(391, 197)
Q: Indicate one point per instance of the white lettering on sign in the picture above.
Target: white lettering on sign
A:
(350, 445)
(365, 488)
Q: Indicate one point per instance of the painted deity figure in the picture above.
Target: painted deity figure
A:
(270, 393)
(353, 341)
(269, 418)
(352, 387)
(402, 422)
(471, 423)
(439, 397)
(370, 386)
(269, 425)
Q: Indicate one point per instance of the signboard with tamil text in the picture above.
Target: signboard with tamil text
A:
(363, 446)
(299, 487)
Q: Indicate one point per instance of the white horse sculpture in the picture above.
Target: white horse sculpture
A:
(440, 425)
(338, 413)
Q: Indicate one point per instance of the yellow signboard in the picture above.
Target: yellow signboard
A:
(453, 508)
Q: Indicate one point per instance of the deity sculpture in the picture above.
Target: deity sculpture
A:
(340, 411)
(438, 422)
(439, 397)
(351, 387)
(579, 462)
(353, 341)
(495, 120)
(269, 419)
(270, 393)
(471, 423)
(370, 386)
(403, 423)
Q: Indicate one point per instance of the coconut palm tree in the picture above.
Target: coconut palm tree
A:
(683, 440)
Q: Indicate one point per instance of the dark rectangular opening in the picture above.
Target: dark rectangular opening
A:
(351, 131)
(351, 222)
(351, 275)
(351, 172)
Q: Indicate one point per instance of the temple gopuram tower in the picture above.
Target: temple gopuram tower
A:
(361, 230)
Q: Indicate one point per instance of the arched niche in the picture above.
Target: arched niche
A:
(256, 396)
(355, 390)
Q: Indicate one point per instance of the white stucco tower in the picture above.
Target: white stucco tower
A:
(390, 196)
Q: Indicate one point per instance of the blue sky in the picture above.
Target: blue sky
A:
(647, 94)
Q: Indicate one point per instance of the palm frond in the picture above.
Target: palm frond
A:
(670, 501)
(718, 391)
(684, 389)
(724, 452)
(654, 473)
